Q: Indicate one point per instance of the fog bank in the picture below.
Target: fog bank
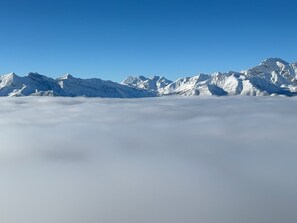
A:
(167, 160)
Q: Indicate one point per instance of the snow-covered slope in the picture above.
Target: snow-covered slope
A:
(96, 87)
(273, 76)
(35, 84)
(154, 83)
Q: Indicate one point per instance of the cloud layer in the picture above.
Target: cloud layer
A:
(169, 160)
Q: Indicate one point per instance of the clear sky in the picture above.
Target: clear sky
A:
(111, 39)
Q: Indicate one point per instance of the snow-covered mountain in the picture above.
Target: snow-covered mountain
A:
(273, 76)
(35, 84)
(154, 83)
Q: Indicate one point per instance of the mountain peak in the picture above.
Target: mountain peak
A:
(154, 83)
(34, 75)
(268, 66)
(155, 77)
(66, 76)
(12, 74)
(272, 62)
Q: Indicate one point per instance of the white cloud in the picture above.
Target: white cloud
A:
(194, 159)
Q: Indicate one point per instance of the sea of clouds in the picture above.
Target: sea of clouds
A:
(152, 160)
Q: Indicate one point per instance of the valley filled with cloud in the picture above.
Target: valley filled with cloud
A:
(169, 159)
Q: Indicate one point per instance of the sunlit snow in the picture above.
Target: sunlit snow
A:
(151, 160)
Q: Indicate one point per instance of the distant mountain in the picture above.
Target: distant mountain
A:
(273, 76)
(35, 84)
(154, 83)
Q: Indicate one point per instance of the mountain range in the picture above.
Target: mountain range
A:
(35, 84)
(273, 76)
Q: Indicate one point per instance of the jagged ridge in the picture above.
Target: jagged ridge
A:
(273, 76)
(35, 84)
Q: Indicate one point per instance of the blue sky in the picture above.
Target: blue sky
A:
(111, 39)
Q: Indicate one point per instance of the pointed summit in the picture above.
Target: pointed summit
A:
(66, 76)
(273, 60)
(34, 75)
(274, 63)
(268, 66)
(10, 76)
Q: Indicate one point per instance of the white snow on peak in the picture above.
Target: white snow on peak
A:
(273, 76)
(66, 76)
(36, 84)
(154, 83)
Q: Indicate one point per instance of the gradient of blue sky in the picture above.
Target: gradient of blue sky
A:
(111, 39)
